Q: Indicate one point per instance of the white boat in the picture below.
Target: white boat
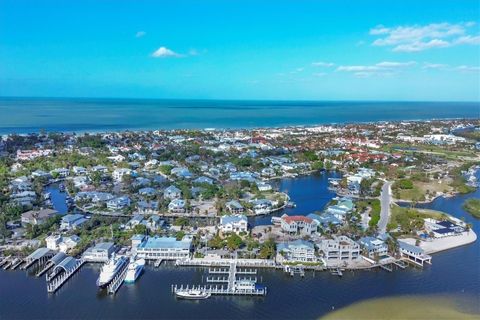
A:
(110, 269)
(193, 294)
(134, 270)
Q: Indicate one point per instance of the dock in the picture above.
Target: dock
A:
(62, 272)
(230, 283)
(4, 261)
(16, 263)
(39, 256)
(117, 281)
(55, 260)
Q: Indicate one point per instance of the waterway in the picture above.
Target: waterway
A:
(454, 272)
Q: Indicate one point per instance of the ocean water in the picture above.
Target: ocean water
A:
(25, 115)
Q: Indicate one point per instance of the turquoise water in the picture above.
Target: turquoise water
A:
(25, 115)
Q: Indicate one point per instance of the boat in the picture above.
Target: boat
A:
(110, 269)
(61, 187)
(193, 294)
(135, 268)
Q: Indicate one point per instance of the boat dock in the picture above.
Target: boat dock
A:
(234, 285)
(4, 261)
(117, 281)
(62, 272)
(39, 256)
(55, 260)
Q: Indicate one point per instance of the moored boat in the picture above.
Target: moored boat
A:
(110, 269)
(135, 268)
(193, 294)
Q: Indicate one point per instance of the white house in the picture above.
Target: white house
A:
(298, 224)
(177, 206)
(296, 251)
(339, 251)
(234, 223)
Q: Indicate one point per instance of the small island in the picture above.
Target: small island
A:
(472, 206)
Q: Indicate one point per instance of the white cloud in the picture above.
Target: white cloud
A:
(319, 74)
(422, 37)
(428, 65)
(164, 52)
(391, 64)
(382, 68)
(140, 34)
(468, 68)
(323, 64)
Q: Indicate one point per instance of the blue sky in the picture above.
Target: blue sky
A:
(307, 50)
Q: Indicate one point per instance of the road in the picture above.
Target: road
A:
(385, 199)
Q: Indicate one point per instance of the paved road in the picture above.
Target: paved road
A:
(385, 199)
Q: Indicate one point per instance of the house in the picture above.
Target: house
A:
(414, 253)
(62, 243)
(441, 229)
(234, 223)
(234, 207)
(61, 172)
(79, 170)
(147, 192)
(177, 206)
(154, 223)
(147, 207)
(72, 221)
(296, 251)
(202, 180)
(134, 221)
(298, 224)
(182, 172)
(261, 206)
(101, 252)
(119, 173)
(168, 248)
(118, 203)
(374, 247)
(172, 192)
(99, 168)
(262, 186)
(339, 251)
(325, 220)
(37, 217)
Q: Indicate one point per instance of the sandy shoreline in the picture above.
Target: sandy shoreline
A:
(446, 243)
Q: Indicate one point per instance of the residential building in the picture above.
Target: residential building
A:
(234, 207)
(101, 252)
(374, 247)
(234, 223)
(37, 217)
(298, 224)
(72, 221)
(296, 251)
(339, 251)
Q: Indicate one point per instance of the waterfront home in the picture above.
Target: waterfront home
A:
(414, 253)
(37, 217)
(177, 206)
(234, 223)
(61, 172)
(261, 206)
(441, 229)
(341, 209)
(168, 248)
(325, 220)
(296, 251)
(172, 192)
(101, 252)
(40, 174)
(80, 181)
(62, 243)
(298, 225)
(118, 203)
(339, 251)
(72, 221)
(153, 223)
(262, 186)
(234, 207)
(374, 247)
(267, 172)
